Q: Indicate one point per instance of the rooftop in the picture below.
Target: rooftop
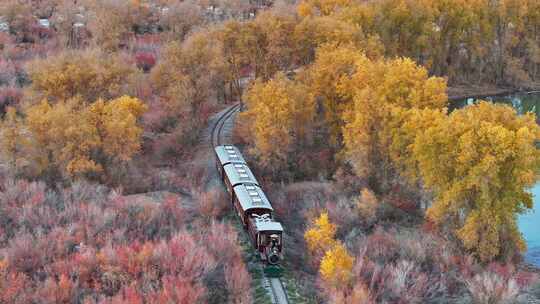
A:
(239, 173)
(252, 197)
(267, 224)
(229, 154)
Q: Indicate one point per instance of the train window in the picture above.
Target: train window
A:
(277, 238)
(262, 239)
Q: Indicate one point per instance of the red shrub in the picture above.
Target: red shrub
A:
(15, 288)
(399, 199)
(343, 214)
(128, 295)
(490, 287)
(346, 181)
(382, 246)
(172, 211)
(238, 283)
(53, 291)
(178, 290)
(8, 73)
(429, 226)
(213, 204)
(175, 144)
(156, 119)
(509, 272)
(23, 256)
(112, 247)
(5, 40)
(86, 265)
(222, 241)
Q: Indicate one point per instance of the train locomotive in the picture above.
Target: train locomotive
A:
(250, 203)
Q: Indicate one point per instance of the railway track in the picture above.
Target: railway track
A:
(279, 295)
(274, 286)
(217, 129)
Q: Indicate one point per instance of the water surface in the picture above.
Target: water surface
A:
(529, 225)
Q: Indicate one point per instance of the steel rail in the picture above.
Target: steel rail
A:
(220, 123)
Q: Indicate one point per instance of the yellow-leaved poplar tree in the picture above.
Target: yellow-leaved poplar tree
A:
(280, 113)
(117, 124)
(336, 266)
(400, 133)
(376, 87)
(88, 74)
(368, 205)
(332, 66)
(278, 42)
(320, 236)
(69, 138)
(479, 163)
(62, 137)
(187, 74)
(315, 32)
(13, 140)
(321, 7)
(335, 261)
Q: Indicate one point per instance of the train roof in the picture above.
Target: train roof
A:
(239, 174)
(252, 197)
(265, 223)
(229, 154)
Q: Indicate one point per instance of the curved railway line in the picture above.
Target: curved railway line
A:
(217, 128)
(274, 286)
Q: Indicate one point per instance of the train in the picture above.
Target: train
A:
(251, 204)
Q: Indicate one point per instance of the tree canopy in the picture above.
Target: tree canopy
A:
(72, 138)
(480, 162)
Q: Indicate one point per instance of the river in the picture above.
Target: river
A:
(529, 223)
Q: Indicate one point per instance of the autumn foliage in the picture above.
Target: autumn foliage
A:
(71, 138)
(336, 266)
(282, 113)
(377, 87)
(477, 196)
(390, 120)
(88, 74)
(87, 244)
(404, 200)
(335, 261)
(321, 236)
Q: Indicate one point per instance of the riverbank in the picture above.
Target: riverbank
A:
(460, 92)
(530, 267)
